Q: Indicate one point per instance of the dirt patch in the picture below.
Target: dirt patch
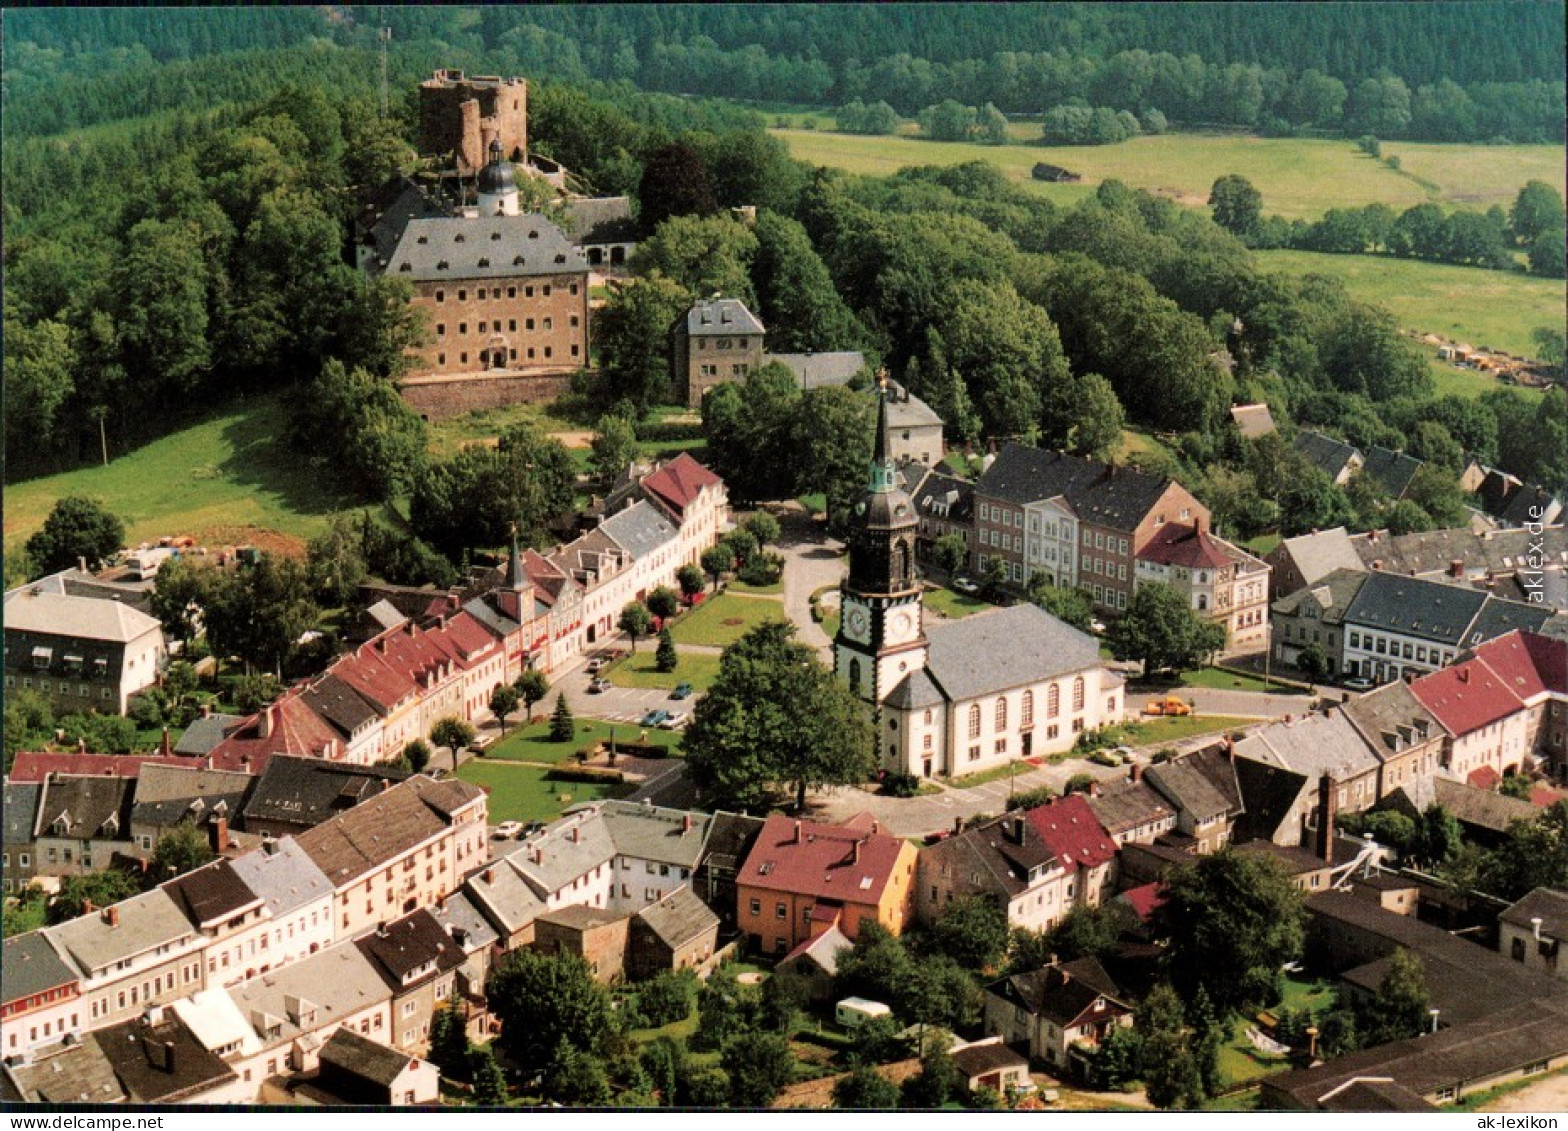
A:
(574, 439)
(218, 538)
(1548, 1095)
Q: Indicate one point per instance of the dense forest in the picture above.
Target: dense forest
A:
(1393, 70)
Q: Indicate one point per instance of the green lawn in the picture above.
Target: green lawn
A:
(952, 604)
(1299, 178)
(1228, 681)
(830, 624)
(1263, 544)
(995, 773)
(720, 621)
(766, 590)
(1468, 304)
(1316, 995)
(1151, 730)
(447, 436)
(227, 479)
(696, 669)
(814, 504)
(521, 793)
(532, 743)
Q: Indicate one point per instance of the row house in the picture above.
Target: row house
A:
(137, 953)
(81, 653)
(945, 504)
(40, 996)
(80, 823)
(418, 960)
(512, 612)
(1073, 834)
(695, 499)
(1003, 861)
(1485, 721)
(558, 600)
(1109, 513)
(1315, 746)
(406, 848)
(1220, 581)
(1203, 789)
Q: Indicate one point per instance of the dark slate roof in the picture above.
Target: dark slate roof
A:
(710, 316)
(21, 806)
(1126, 805)
(393, 205)
(1479, 808)
(205, 733)
(1550, 905)
(1411, 607)
(489, 247)
(819, 370)
(1004, 648)
(980, 1059)
(1335, 593)
(1268, 794)
(167, 795)
(1391, 719)
(1392, 470)
(1117, 497)
(1367, 1097)
(138, 1050)
(306, 791)
(641, 530)
(598, 219)
(1434, 551)
(678, 918)
(939, 489)
(1498, 617)
(1203, 784)
(730, 837)
(413, 941)
(212, 894)
(1503, 1042)
(348, 1052)
(999, 855)
(1064, 993)
(339, 704)
(93, 807)
(1327, 454)
(31, 966)
(915, 690)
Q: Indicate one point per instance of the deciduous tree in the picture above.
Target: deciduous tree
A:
(76, 527)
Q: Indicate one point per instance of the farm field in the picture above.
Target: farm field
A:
(1299, 178)
(222, 481)
(1467, 304)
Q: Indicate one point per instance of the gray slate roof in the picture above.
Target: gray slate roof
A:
(993, 855)
(307, 791)
(641, 529)
(282, 875)
(1411, 607)
(166, 795)
(1203, 784)
(1498, 617)
(820, 370)
(1550, 905)
(551, 859)
(339, 981)
(21, 806)
(490, 247)
(146, 921)
(459, 913)
(1126, 805)
(915, 690)
(1380, 714)
(92, 807)
(910, 411)
(678, 918)
(88, 618)
(648, 832)
(1311, 745)
(1118, 497)
(1005, 648)
(938, 488)
(346, 1051)
(31, 966)
(598, 219)
(73, 1074)
(709, 316)
(1433, 551)
(1318, 555)
(504, 897)
(1391, 470)
(205, 733)
(1327, 454)
(1334, 594)
(340, 705)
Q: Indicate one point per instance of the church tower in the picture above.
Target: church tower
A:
(881, 638)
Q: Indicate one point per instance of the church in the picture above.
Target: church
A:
(955, 697)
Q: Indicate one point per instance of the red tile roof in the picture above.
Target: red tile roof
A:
(1466, 697)
(1144, 900)
(680, 481)
(1484, 777)
(292, 728)
(34, 766)
(1176, 544)
(1543, 796)
(1072, 831)
(849, 863)
(1526, 670)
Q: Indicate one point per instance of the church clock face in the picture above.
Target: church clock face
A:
(900, 627)
(857, 624)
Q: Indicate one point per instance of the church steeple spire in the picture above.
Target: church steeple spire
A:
(884, 475)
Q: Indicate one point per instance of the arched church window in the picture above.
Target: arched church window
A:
(1078, 694)
(1001, 713)
(974, 721)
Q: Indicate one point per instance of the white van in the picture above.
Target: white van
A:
(853, 1012)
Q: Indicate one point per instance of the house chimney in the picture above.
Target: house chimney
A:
(206, 710)
(958, 825)
(269, 844)
(1462, 674)
(1326, 819)
(111, 915)
(268, 720)
(1456, 568)
(685, 823)
(854, 852)
(1135, 775)
(87, 907)
(1020, 829)
(165, 1058)
(797, 833)
(81, 563)
(218, 835)
(1535, 925)
(166, 748)
(574, 835)
(81, 746)
(1230, 745)
(875, 828)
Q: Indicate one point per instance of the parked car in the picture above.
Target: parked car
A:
(655, 718)
(674, 722)
(682, 691)
(598, 685)
(506, 830)
(596, 665)
(1097, 626)
(532, 827)
(1358, 683)
(966, 584)
(481, 743)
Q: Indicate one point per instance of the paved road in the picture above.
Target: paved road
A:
(1246, 704)
(811, 560)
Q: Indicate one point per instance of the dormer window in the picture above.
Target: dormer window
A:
(62, 824)
(484, 262)
(442, 265)
(458, 238)
(517, 261)
(406, 267)
(495, 235)
(423, 239)
(533, 235)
